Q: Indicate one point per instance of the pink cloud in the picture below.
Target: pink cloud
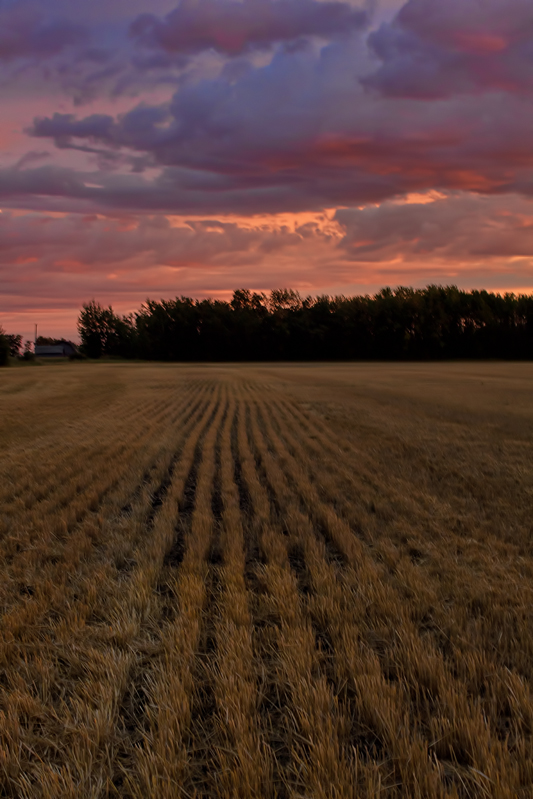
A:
(480, 42)
(55, 264)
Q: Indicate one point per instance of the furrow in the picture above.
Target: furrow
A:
(113, 649)
(50, 493)
(260, 548)
(426, 668)
(243, 757)
(171, 750)
(90, 554)
(204, 699)
(81, 507)
(314, 719)
(135, 720)
(471, 646)
(361, 738)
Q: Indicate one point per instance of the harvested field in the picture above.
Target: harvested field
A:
(266, 581)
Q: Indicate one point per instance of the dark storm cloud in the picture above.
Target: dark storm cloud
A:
(435, 49)
(235, 27)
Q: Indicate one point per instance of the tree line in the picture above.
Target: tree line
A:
(436, 322)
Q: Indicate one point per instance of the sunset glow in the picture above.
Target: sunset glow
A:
(179, 148)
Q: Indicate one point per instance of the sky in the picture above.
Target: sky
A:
(159, 149)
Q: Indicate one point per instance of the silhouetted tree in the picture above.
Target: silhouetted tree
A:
(15, 344)
(102, 332)
(402, 323)
(4, 348)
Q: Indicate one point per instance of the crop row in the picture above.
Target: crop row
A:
(218, 596)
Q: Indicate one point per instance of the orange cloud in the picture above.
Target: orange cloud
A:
(48, 270)
(480, 42)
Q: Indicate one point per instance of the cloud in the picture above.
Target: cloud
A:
(320, 248)
(61, 260)
(43, 41)
(299, 111)
(301, 133)
(64, 127)
(236, 27)
(92, 242)
(435, 49)
(43, 48)
(25, 32)
(57, 261)
(31, 157)
(447, 229)
(46, 45)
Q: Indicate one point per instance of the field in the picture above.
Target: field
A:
(266, 581)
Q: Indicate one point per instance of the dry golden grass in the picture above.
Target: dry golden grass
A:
(266, 581)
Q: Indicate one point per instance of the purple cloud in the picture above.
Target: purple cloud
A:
(91, 59)
(84, 52)
(64, 127)
(235, 27)
(434, 49)
(31, 157)
(26, 33)
(298, 133)
(301, 133)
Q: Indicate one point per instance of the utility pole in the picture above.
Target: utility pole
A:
(35, 334)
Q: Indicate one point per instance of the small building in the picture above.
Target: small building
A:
(62, 350)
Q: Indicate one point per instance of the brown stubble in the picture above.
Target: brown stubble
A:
(417, 668)
(265, 581)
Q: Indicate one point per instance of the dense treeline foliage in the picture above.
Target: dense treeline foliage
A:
(4, 348)
(15, 344)
(405, 323)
